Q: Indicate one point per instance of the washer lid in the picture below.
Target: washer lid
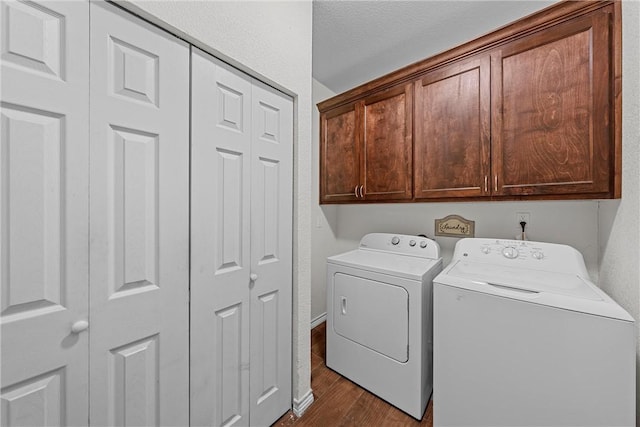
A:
(561, 290)
(525, 279)
(406, 266)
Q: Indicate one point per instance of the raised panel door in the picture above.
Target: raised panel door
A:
(551, 117)
(387, 144)
(340, 154)
(452, 131)
(220, 242)
(139, 222)
(271, 254)
(44, 196)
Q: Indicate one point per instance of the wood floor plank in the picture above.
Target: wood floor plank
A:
(427, 419)
(322, 379)
(368, 410)
(332, 407)
(339, 402)
(318, 340)
(316, 361)
(396, 418)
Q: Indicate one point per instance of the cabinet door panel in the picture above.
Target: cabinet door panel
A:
(452, 131)
(551, 116)
(339, 154)
(387, 147)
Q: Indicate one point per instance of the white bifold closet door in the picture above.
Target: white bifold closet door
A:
(241, 247)
(139, 219)
(44, 233)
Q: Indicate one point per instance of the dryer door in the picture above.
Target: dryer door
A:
(372, 314)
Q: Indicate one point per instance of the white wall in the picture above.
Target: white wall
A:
(618, 220)
(270, 40)
(570, 222)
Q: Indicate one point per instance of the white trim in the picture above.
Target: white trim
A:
(315, 322)
(300, 406)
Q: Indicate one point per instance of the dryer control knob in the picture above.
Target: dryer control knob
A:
(423, 244)
(412, 242)
(395, 240)
(510, 252)
(537, 255)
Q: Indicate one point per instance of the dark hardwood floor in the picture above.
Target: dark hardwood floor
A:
(339, 402)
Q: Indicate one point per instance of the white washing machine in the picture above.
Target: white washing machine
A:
(379, 317)
(523, 338)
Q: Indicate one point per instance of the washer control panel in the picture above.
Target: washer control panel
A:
(507, 249)
(401, 243)
(527, 255)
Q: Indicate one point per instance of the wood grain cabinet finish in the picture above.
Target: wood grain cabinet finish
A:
(366, 149)
(530, 111)
(387, 145)
(339, 155)
(551, 119)
(452, 131)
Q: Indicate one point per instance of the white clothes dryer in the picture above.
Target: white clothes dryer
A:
(379, 317)
(522, 337)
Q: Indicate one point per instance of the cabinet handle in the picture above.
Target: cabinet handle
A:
(362, 191)
(355, 191)
(495, 183)
(486, 183)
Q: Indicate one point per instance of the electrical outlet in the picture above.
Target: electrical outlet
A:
(523, 216)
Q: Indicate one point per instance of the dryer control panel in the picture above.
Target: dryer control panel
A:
(525, 254)
(401, 243)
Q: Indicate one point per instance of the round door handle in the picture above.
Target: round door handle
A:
(79, 326)
(253, 277)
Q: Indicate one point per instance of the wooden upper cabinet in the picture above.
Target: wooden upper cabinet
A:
(387, 148)
(340, 155)
(366, 149)
(452, 131)
(530, 111)
(551, 93)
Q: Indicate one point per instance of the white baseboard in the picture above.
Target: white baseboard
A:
(300, 406)
(315, 322)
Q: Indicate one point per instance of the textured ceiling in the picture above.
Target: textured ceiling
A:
(357, 41)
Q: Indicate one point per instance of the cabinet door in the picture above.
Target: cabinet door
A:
(220, 242)
(452, 126)
(44, 218)
(551, 97)
(340, 154)
(271, 254)
(139, 222)
(387, 144)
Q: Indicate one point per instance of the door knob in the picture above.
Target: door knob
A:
(79, 326)
(253, 277)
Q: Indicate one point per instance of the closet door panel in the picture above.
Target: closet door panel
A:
(44, 175)
(139, 209)
(220, 230)
(271, 254)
